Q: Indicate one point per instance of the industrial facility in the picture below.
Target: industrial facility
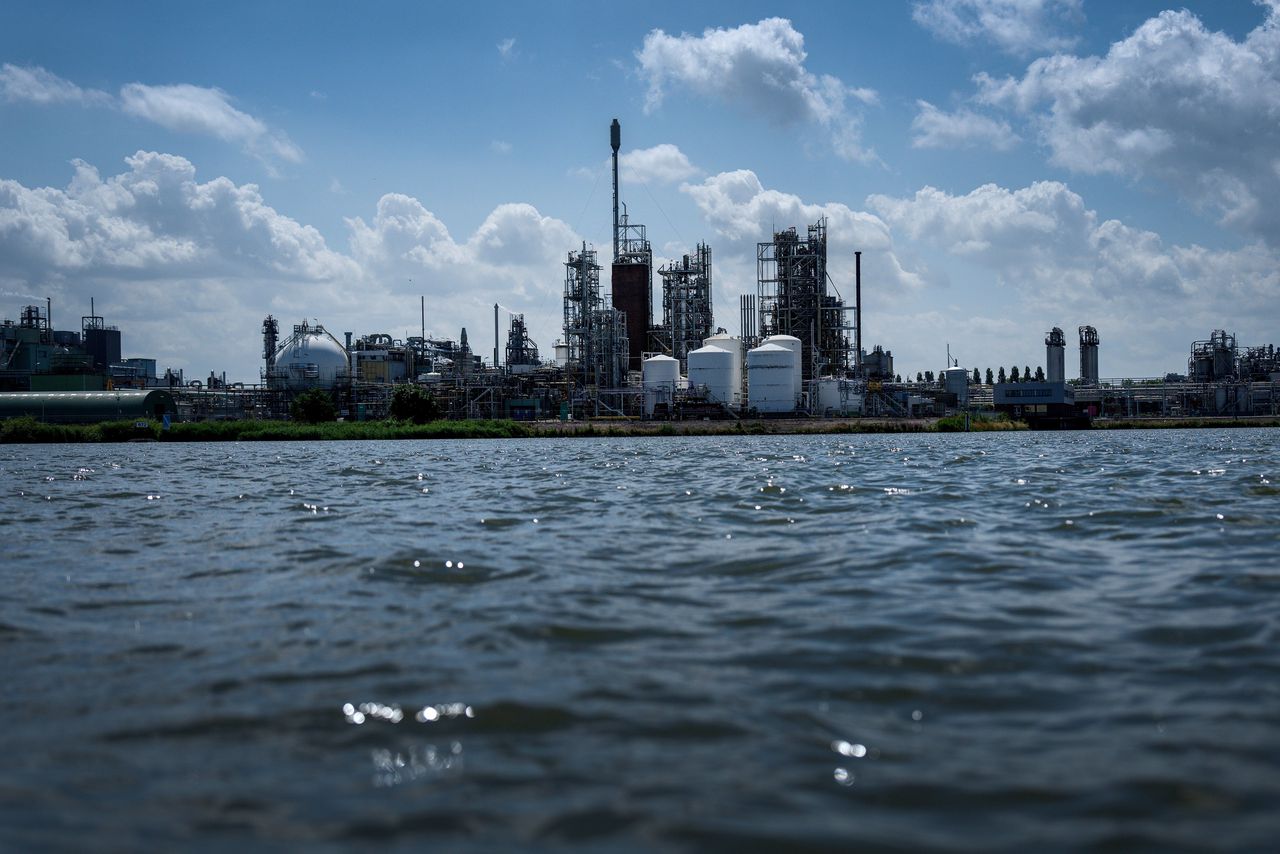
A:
(798, 353)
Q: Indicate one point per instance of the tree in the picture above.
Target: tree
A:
(1026, 374)
(313, 407)
(977, 377)
(1001, 378)
(1014, 376)
(414, 403)
(928, 376)
(1039, 374)
(919, 377)
(990, 378)
(898, 378)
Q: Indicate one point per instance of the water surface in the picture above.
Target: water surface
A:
(958, 642)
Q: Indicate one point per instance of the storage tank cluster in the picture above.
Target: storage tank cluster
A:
(774, 380)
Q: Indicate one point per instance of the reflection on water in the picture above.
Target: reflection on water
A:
(954, 642)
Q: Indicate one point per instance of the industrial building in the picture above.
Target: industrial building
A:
(793, 299)
(799, 354)
(34, 356)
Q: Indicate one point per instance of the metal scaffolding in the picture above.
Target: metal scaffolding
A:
(596, 333)
(793, 300)
(686, 304)
(522, 353)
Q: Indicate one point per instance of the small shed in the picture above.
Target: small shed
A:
(87, 407)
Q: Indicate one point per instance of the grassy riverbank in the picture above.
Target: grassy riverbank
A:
(29, 430)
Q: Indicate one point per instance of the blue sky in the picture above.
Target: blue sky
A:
(1004, 165)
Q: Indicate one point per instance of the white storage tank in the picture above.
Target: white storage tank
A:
(956, 381)
(734, 345)
(834, 396)
(771, 386)
(714, 368)
(309, 358)
(793, 344)
(660, 376)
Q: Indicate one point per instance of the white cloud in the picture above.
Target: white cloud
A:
(743, 212)
(663, 163)
(500, 146)
(1174, 102)
(196, 109)
(1064, 264)
(156, 220)
(38, 86)
(964, 128)
(188, 269)
(182, 107)
(760, 66)
(507, 48)
(1019, 27)
(516, 258)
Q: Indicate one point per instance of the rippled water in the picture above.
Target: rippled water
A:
(970, 642)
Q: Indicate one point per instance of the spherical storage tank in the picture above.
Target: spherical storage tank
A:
(659, 377)
(714, 368)
(309, 358)
(771, 370)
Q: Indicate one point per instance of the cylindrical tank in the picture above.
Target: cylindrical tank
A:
(310, 358)
(956, 381)
(793, 344)
(562, 354)
(659, 377)
(714, 368)
(771, 384)
(734, 345)
(834, 396)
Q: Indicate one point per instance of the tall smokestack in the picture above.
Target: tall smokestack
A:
(615, 141)
(495, 336)
(857, 309)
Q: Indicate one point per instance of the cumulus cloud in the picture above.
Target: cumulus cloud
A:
(516, 258)
(155, 220)
(744, 213)
(1018, 27)
(39, 86)
(933, 128)
(663, 164)
(760, 66)
(1063, 261)
(1059, 263)
(181, 107)
(507, 48)
(1174, 102)
(188, 268)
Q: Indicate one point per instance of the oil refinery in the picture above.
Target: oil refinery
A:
(798, 353)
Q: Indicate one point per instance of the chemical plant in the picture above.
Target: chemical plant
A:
(798, 353)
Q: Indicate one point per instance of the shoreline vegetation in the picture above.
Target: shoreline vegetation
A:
(28, 430)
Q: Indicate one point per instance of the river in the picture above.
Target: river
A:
(967, 642)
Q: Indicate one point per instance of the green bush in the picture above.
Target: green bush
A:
(313, 407)
(416, 404)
